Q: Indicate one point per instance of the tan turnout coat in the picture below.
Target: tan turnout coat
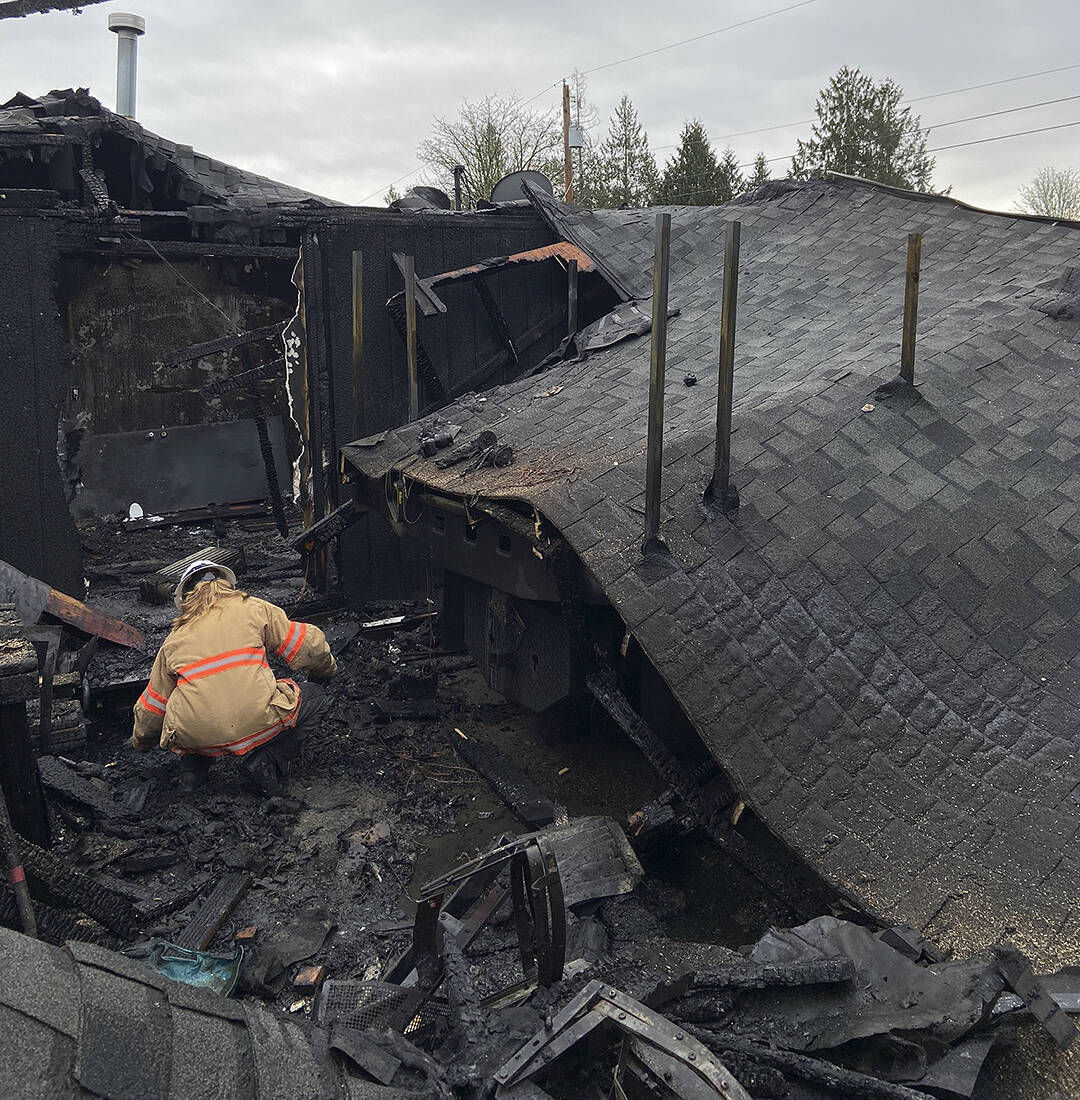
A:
(211, 690)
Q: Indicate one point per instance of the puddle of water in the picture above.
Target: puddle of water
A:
(597, 772)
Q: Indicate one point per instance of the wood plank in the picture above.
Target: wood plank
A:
(211, 915)
(95, 623)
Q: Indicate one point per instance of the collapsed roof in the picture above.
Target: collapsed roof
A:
(882, 646)
(50, 141)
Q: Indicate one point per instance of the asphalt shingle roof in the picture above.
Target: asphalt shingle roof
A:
(83, 1021)
(881, 647)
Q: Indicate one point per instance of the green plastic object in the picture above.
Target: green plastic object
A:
(215, 971)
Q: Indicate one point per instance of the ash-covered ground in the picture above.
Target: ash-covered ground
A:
(378, 805)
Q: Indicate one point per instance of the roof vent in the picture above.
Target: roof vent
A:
(127, 29)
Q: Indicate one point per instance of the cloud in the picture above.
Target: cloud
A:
(335, 97)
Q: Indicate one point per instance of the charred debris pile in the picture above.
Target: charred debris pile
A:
(376, 933)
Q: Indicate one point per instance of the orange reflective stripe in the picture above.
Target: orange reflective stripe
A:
(299, 642)
(151, 694)
(236, 662)
(203, 662)
(289, 635)
(146, 702)
(246, 744)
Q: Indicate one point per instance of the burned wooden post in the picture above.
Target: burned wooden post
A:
(358, 342)
(459, 172)
(657, 363)
(571, 297)
(720, 489)
(410, 337)
(911, 308)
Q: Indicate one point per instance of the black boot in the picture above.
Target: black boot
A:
(193, 770)
(263, 773)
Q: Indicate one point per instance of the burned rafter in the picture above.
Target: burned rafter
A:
(716, 820)
(221, 344)
(430, 303)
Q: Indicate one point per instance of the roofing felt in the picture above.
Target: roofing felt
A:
(198, 179)
(881, 646)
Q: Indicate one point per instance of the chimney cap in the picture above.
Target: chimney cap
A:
(123, 21)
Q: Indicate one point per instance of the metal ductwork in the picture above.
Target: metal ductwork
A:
(128, 29)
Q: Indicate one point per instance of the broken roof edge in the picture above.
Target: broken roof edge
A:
(539, 199)
(931, 196)
(63, 110)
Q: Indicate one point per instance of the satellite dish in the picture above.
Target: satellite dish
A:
(508, 189)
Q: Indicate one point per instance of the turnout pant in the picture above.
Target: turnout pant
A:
(283, 749)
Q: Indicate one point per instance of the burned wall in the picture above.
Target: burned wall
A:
(462, 344)
(124, 315)
(37, 534)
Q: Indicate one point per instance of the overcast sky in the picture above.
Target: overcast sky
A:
(334, 96)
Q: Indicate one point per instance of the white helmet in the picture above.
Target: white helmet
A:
(201, 571)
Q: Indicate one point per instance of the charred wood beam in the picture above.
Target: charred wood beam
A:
(224, 343)
(502, 358)
(98, 245)
(59, 878)
(755, 975)
(466, 1014)
(823, 1075)
(523, 797)
(211, 915)
(498, 321)
(324, 531)
(710, 817)
(433, 387)
(430, 303)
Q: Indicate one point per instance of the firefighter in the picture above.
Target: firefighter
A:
(212, 693)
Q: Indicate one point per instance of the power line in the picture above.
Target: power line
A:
(699, 37)
(1003, 137)
(393, 183)
(958, 121)
(916, 99)
(993, 83)
(936, 149)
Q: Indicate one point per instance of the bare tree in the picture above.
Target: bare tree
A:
(1054, 193)
(492, 137)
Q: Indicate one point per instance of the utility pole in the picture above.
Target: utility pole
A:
(568, 164)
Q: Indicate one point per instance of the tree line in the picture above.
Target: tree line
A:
(861, 129)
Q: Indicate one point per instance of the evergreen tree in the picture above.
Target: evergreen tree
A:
(692, 176)
(760, 173)
(731, 182)
(862, 131)
(628, 170)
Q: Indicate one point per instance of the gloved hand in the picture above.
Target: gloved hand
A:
(324, 674)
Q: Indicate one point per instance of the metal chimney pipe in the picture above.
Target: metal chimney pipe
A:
(127, 29)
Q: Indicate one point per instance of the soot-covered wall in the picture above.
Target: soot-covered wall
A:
(459, 342)
(37, 533)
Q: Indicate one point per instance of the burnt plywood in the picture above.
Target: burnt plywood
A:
(882, 648)
(179, 468)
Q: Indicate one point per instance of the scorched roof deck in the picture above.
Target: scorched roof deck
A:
(881, 646)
